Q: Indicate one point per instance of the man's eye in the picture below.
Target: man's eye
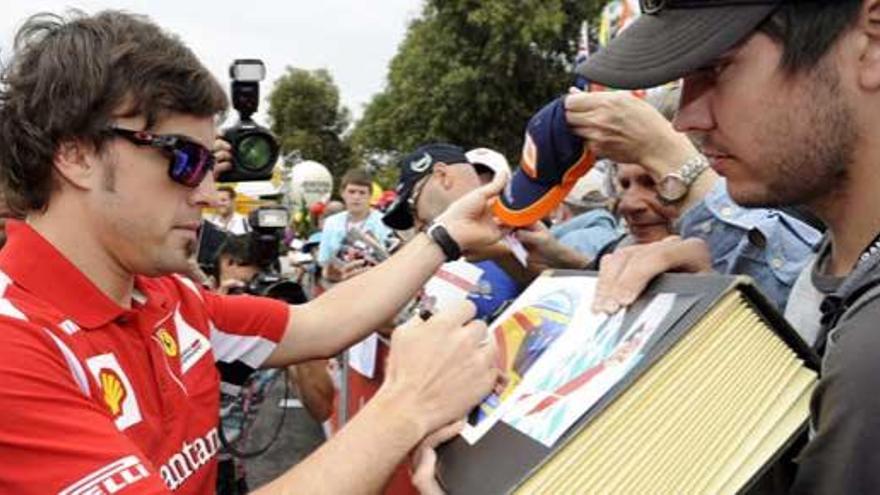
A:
(713, 71)
(720, 67)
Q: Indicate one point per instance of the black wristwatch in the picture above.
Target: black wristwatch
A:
(438, 233)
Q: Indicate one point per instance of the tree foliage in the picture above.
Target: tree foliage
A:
(472, 72)
(306, 116)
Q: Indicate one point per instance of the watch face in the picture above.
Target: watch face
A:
(672, 188)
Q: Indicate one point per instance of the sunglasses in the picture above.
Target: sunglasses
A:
(413, 201)
(188, 161)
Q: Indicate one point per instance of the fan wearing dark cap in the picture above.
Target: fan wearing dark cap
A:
(784, 98)
(453, 172)
(431, 179)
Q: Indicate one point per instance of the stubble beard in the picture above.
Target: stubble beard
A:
(173, 259)
(807, 152)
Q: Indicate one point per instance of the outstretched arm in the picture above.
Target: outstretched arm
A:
(437, 371)
(354, 308)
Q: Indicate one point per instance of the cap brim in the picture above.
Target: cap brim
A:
(663, 47)
(398, 216)
(526, 201)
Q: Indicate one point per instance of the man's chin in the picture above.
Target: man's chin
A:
(649, 233)
(177, 259)
(751, 197)
(171, 266)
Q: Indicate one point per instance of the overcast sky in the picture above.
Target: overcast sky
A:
(353, 40)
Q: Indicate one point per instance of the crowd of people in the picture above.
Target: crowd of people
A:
(754, 159)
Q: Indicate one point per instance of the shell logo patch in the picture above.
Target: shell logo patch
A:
(114, 392)
(169, 345)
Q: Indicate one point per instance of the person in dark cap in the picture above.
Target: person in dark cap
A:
(445, 162)
(783, 97)
(432, 178)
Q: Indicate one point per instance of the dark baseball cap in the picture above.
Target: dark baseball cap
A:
(413, 168)
(673, 38)
(553, 159)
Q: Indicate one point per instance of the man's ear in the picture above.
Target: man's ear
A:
(76, 163)
(869, 56)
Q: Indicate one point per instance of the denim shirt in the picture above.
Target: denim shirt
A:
(767, 245)
(588, 232)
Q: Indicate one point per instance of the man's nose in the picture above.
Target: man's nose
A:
(694, 111)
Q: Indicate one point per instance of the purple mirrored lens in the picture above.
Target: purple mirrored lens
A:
(191, 163)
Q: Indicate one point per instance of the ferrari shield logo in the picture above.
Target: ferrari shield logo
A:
(169, 345)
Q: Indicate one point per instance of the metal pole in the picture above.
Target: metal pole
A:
(343, 390)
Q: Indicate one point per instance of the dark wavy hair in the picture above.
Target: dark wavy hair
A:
(807, 29)
(67, 78)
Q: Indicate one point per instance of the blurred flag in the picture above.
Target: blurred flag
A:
(616, 16)
(583, 54)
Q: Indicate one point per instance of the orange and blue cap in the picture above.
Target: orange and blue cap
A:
(553, 159)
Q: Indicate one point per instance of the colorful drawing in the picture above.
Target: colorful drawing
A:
(579, 373)
(522, 338)
(523, 334)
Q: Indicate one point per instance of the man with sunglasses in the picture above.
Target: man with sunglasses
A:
(112, 364)
(784, 97)
(432, 178)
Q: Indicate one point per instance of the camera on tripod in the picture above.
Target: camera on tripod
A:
(254, 148)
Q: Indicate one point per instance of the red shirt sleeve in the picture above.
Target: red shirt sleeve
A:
(54, 437)
(248, 315)
(246, 331)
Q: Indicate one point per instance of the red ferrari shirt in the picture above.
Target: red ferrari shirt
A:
(99, 399)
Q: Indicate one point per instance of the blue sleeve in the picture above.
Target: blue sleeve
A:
(765, 244)
(587, 233)
(330, 239)
(494, 288)
(378, 227)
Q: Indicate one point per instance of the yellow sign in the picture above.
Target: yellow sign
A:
(375, 193)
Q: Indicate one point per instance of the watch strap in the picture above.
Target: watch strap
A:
(685, 177)
(438, 233)
(692, 169)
